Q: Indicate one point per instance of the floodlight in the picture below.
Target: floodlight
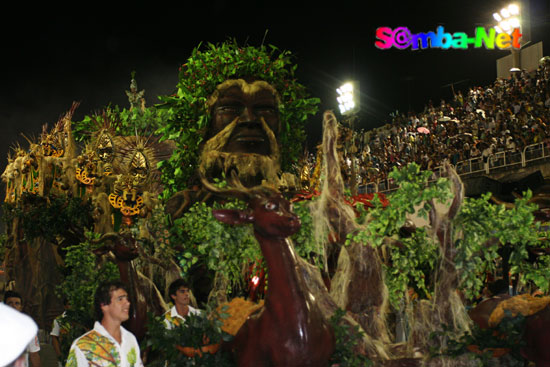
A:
(505, 13)
(348, 87)
(348, 98)
(508, 19)
(514, 22)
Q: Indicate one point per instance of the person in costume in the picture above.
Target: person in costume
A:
(108, 344)
(60, 328)
(180, 295)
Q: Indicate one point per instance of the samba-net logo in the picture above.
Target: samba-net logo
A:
(402, 38)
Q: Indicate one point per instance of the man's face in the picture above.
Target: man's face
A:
(181, 298)
(119, 308)
(15, 302)
(249, 102)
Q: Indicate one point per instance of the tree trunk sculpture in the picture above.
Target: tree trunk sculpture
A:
(359, 286)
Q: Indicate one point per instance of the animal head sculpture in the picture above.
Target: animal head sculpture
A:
(122, 245)
(269, 212)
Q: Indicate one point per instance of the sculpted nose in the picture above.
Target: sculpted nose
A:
(247, 115)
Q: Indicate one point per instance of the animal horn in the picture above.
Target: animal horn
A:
(237, 189)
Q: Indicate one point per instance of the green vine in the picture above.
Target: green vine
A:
(124, 121)
(50, 217)
(415, 258)
(304, 241)
(158, 244)
(508, 335)
(480, 229)
(223, 249)
(411, 265)
(196, 331)
(226, 249)
(486, 227)
(347, 339)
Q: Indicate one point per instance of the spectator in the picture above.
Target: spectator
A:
(14, 300)
(17, 331)
(507, 115)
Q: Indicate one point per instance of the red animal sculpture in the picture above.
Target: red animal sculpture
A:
(290, 330)
(536, 333)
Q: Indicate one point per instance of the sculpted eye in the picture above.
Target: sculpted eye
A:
(265, 110)
(271, 206)
(229, 109)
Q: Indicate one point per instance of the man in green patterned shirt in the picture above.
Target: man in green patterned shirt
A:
(108, 344)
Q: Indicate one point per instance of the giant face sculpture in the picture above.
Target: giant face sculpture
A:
(244, 129)
(249, 103)
(222, 86)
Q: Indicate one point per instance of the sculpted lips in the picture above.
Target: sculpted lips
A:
(250, 136)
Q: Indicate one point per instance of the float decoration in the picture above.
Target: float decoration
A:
(188, 108)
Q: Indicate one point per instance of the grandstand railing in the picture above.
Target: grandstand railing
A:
(477, 165)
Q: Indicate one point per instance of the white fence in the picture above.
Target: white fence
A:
(477, 165)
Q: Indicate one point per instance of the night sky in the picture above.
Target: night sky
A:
(53, 56)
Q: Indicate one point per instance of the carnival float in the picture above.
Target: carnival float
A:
(293, 266)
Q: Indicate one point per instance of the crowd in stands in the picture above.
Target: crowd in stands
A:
(507, 115)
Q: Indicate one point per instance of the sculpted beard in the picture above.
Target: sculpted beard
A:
(247, 165)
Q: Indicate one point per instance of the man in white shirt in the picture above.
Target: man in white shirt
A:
(60, 328)
(108, 344)
(14, 300)
(180, 295)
